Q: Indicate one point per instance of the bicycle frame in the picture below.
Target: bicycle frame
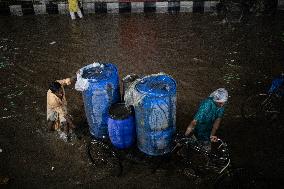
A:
(268, 105)
(110, 153)
(261, 106)
(227, 8)
(221, 159)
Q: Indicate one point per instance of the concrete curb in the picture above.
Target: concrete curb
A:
(114, 6)
(110, 6)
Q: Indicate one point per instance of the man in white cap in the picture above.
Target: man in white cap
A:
(208, 118)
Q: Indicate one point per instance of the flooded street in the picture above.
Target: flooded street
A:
(197, 50)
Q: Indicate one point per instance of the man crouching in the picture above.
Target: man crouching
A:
(57, 116)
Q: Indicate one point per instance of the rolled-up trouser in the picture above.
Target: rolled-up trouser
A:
(72, 14)
(56, 118)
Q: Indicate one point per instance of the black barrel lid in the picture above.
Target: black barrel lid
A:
(120, 111)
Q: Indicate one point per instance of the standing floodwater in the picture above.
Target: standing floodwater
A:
(198, 51)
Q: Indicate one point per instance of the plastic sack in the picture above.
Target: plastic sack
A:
(277, 86)
(132, 97)
(82, 84)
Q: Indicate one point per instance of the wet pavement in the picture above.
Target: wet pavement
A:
(197, 50)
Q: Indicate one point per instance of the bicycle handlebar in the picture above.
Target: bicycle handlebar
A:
(222, 143)
(186, 140)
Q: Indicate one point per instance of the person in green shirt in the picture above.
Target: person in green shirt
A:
(208, 118)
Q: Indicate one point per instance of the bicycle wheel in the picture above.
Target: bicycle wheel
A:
(234, 12)
(238, 178)
(104, 159)
(255, 107)
(195, 162)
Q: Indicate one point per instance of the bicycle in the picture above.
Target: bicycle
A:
(265, 106)
(218, 166)
(214, 165)
(233, 11)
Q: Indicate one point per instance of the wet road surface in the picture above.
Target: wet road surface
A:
(197, 50)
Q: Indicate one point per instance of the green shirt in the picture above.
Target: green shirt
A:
(207, 113)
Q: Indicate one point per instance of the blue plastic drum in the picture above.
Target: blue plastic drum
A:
(121, 126)
(155, 114)
(103, 90)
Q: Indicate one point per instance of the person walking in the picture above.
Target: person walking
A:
(58, 118)
(74, 8)
(208, 118)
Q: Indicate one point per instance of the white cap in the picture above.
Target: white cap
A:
(220, 95)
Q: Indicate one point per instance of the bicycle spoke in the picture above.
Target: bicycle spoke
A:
(103, 158)
(256, 107)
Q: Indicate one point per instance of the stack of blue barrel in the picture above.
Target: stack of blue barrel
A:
(106, 116)
(155, 110)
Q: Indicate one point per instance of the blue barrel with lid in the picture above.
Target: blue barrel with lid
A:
(121, 126)
(102, 91)
(155, 114)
